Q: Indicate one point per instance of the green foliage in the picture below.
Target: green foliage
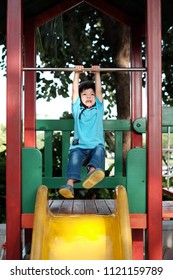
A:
(2, 173)
(61, 44)
(167, 66)
(3, 138)
(3, 58)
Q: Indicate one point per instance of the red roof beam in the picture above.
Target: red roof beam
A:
(111, 10)
(61, 7)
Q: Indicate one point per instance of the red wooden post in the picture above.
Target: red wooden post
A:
(14, 128)
(138, 244)
(154, 128)
(30, 86)
(136, 78)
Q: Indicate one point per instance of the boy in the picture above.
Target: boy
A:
(88, 142)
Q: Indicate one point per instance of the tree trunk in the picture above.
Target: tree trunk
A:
(120, 51)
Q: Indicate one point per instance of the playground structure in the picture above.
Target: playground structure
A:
(143, 180)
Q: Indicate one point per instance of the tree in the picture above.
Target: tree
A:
(88, 39)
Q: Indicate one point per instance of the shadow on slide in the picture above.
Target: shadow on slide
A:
(84, 236)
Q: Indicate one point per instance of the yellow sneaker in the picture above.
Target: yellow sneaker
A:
(67, 191)
(93, 178)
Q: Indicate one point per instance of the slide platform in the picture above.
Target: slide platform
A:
(84, 236)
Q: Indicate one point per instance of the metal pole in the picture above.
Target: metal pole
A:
(71, 69)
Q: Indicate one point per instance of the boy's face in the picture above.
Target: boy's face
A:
(88, 97)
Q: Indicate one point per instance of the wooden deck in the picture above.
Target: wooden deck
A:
(167, 206)
(167, 210)
(168, 192)
(100, 206)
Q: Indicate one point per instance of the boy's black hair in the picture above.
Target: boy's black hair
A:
(86, 85)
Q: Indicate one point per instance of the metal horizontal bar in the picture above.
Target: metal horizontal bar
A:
(71, 69)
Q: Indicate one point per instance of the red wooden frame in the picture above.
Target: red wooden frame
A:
(154, 128)
(14, 129)
(138, 221)
(30, 86)
(58, 9)
(136, 82)
(111, 10)
(14, 108)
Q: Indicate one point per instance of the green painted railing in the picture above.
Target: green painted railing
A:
(116, 127)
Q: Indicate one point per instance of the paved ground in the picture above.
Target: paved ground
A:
(167, 253)
(2, 240)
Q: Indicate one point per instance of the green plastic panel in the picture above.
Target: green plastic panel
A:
(136, 180)
(31, 177)
(167, 116)
(48, 154)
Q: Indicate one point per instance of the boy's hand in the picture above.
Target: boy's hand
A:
(95, 68)
(79, 68)
(75, 87)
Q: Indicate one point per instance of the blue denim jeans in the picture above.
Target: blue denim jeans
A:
(88, 157)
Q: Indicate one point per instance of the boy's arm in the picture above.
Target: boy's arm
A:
(75, 86)
(98, 88)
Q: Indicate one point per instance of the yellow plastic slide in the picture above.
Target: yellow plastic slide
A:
(84, 236)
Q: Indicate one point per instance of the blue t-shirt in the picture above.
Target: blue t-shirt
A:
(88, 129)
